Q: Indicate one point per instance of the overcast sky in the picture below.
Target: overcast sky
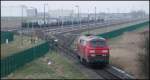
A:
(102, 6)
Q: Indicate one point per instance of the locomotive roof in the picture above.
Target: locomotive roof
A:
(89, 38)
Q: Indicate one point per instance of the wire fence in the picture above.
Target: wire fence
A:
(118, 32)
(5, 35)
(13, 62)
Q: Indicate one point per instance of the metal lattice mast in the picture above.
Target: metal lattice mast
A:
(79, 20)
(62, 19)
(21, 26)
(72, 17)
(44, 14)
(88, 22)
(95, 15)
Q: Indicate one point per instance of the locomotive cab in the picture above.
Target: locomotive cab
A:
(93, 49)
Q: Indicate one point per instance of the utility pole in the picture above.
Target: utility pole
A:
(62, 19)
(118, 12)
(108, 14)
(21, 27)
(79, 20)
(32, 30)
(95, 15)
(59, 19)
(44, 14)
(99, 17)
(88, 21)
(49, 15)
(72, 17)
(107, 17)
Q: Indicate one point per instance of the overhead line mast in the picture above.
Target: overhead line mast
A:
(62, 19)
(21, 27)
(95, 15)
(88, 22)
(79, 19)
(44, 14)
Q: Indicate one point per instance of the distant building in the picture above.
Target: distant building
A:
(41, 14)
(31, 12)
(13, 11)
(60, 12)
(138, 14)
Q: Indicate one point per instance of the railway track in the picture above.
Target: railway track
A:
(105, 73)
(64, 47)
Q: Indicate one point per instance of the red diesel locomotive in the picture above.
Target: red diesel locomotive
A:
(92, 49)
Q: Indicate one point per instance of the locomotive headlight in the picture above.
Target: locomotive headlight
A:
(92, 51)
(92, 55)
(56, 40)
(104, 51)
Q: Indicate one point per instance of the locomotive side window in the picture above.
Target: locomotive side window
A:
(82, 42)
(98, 43)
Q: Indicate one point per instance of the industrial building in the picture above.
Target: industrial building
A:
(13, 11)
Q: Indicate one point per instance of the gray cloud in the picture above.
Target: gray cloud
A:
(102, 6)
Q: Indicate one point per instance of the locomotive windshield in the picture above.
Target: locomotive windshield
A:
(98, 43)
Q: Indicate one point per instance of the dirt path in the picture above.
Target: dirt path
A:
(125, 50)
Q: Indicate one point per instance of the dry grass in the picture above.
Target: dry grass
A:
(16, 46)
(125, 52)
(110, 28)
(60, 68)
(125, 49)
(144, 56)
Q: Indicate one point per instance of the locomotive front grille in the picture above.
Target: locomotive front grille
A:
(98, 58)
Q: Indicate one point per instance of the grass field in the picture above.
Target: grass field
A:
(110, 28)
(112, 40)
(60, 68)
(125, 49)
(16, 45)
